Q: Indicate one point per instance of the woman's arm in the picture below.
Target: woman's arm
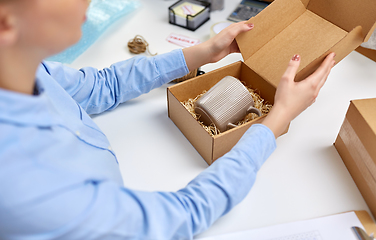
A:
(100, 90)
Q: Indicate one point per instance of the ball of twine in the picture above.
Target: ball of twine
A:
(139, 45)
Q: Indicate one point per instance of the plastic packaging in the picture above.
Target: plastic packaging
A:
(101, 14)
(371, 43)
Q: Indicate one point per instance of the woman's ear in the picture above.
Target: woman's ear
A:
(8, 27)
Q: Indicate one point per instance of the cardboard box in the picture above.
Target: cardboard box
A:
(214, 147)
(310, 28)
(370, 53)
(356, 143)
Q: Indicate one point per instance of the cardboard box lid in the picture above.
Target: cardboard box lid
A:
(310, 28)
(359, 131)
(367, 109)
(356, 143)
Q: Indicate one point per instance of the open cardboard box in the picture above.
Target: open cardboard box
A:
(370, 53)
(356, 143)
(310, 28)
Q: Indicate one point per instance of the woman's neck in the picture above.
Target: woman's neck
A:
(17, 70)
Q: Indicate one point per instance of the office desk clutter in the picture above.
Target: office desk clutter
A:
(182, 41)
(247, 9)
(100, 15)
(189, 14)
(139, 45)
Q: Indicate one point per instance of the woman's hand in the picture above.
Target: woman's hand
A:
(215, 48)
(224, 42)
(292, 97)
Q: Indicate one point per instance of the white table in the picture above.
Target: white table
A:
(304, 178)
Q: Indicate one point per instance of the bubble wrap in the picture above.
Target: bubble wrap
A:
(100, 15)
(371, 43)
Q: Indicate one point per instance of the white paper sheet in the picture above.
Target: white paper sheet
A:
(326, 228)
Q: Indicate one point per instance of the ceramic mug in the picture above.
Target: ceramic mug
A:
(226, 103)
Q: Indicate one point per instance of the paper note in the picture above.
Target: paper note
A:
(326, 228)
(314, 235)
(187, 8)
(182, 41)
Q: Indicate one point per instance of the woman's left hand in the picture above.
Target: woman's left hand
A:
(215, 48)
(224, 42)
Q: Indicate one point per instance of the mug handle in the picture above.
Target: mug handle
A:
(254, 110)
(249, 110)
(231, 125)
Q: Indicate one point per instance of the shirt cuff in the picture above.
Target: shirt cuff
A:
(171, 65)
(257, 144)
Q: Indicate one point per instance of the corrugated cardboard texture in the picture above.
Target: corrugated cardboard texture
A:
(362, 117)
(346, 14)
(300, 37)
(356, 145)
(370, 53)
(193, 131)
(268, 24)
(257, 82)
(356, 175)
(305, 2)
(351, 41)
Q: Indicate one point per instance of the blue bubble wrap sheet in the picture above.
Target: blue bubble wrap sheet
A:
(100, 15)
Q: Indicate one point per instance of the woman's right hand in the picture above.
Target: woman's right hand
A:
(292, 97)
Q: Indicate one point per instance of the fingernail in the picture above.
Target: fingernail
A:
(296, 57)
(250, 25)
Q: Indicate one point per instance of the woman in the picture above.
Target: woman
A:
(59, 179)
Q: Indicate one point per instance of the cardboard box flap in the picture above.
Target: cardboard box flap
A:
(299, 37)
(370, 33)
(358, 132)
(342, 49)
(305, 2)
(367, 108)
(347, 14)
(286, 28)
(269, 23)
